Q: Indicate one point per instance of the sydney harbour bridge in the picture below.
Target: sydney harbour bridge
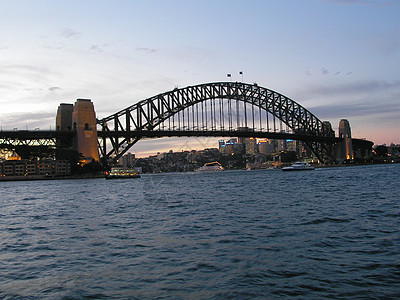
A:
(220, 109)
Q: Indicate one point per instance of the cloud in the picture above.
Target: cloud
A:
(387, 43)
(350, 1)
(325, 71)
(5, 86)
(31, 89)
(147, 50)
(54, 88)
(21, 68)
(96, 48)
(58, 46)
(69, 33)
(363, 2)
(366, 107)
(30, 118)
(99, 48)
(362, 87)
(25, 77)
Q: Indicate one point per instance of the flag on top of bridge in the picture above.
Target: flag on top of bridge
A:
(229, 75)
(241, 73)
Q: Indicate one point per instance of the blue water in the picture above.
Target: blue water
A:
(329, 233)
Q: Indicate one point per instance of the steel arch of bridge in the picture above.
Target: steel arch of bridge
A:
(150, 117)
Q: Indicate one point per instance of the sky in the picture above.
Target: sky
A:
(338, 58)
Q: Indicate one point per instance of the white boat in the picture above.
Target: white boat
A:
(122, 173)
(299, 166)
(211, 167)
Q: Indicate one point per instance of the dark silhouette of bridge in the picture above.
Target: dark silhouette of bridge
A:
(231, 109)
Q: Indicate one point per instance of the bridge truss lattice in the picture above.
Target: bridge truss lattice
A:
(214, 109)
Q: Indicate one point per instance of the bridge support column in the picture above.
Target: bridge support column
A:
(64, 123)
(81, 118)
(84, 122)
(345, 147)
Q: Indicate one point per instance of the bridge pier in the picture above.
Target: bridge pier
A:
(80, 118)
(344, 148)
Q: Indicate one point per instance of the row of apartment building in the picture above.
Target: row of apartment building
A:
(45, 168)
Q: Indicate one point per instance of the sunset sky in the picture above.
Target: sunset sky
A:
(338, 58)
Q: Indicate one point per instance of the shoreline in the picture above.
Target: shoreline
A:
(94, 176)
(44, 177)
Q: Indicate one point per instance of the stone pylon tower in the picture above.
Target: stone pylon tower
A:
(84, 122)
(64, 122)
(81, 118)
(64, 116)
(345, 150)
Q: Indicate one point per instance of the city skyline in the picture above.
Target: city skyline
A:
(334, 57)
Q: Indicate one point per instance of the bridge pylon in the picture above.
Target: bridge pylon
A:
(345, 146)
(81, 118)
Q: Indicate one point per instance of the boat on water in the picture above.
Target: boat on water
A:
(122, 173)
(299, 166)
(211, 167)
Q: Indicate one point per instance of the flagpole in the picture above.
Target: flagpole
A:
(241, 73)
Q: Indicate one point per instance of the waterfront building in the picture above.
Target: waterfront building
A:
(221, 146)
(250, 146)
(304, 151)
(291, 145)
(230, 146)
(37, 169)
(281, 145)
(393, 150)
(242, 140)
(266, 147)
(127, 160)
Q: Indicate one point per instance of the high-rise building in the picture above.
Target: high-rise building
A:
(265, 147)
(127, 160)
(230, 146)
(221, 146)
(250, 146)
(291, 145)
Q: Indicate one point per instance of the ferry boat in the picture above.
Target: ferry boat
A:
(122, 173)
(299, 166)
(211, 167)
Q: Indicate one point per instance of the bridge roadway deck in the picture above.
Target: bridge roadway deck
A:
(216, 133)
(35, 134)
(49, 134)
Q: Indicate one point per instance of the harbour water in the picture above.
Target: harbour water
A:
(328, 233)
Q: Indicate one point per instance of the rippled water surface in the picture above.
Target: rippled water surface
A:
(329, 233)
